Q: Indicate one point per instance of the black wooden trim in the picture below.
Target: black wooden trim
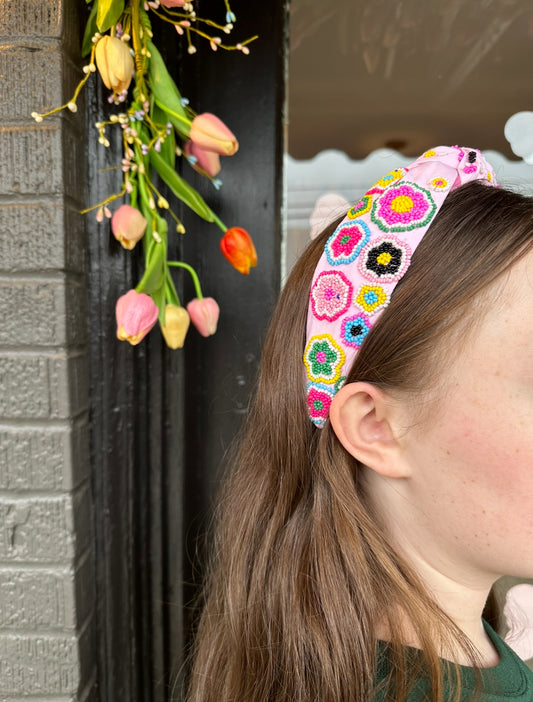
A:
(161, 420)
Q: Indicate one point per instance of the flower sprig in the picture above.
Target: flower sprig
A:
(157, 125)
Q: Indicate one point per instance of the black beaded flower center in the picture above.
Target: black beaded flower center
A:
(384, 259)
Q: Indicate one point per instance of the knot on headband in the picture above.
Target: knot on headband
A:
(366, 256)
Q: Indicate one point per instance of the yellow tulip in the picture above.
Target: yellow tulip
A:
(176, 326)
(114, 63)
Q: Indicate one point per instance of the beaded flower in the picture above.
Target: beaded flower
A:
(319, 399)
(354, 329)
(323, 359)
(385, 259)
(346, 242)
(371, 298)
(331, 295)
(403, 207)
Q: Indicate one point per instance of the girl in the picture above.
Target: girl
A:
(384, 482)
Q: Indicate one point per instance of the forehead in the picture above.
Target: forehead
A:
(503, 338)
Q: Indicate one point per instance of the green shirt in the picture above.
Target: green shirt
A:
(510, 679)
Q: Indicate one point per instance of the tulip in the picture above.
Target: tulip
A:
(115, 63)
(204, 315)
(136, 314)
(176, 325)
(238, 248)
(205, 162)
(128, 226)
(209, 132)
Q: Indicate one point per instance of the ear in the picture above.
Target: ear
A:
(364, 420)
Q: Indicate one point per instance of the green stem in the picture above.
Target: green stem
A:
(174, 114)
(195, 279)
(220, 223)
(171, 290)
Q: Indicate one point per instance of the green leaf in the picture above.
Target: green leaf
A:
(90, 30)
(168, 147)
(181, 188)
(153, 277)
(165, 91)
(108, 14)
(158, 296)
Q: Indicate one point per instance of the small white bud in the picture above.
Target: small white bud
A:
(191, 49)
(37, 117)
(72, 106)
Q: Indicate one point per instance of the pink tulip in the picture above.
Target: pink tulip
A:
(128, 226)
(209, 132)
(136, 314)
(204, 315)
(207, 162)
(173, 3)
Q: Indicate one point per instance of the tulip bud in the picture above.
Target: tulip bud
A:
(136, 314)
(207, 162)
(128, 226)
(209, 132)
(204, 315)
(115, 63)
(238, 248)
(176, 326)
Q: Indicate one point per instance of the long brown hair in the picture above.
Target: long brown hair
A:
(301, 572)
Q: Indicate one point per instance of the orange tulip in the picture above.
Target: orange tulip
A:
(136, 314)
(238, 248)
(209, 132)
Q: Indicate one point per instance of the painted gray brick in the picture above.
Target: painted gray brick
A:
(42, 236)
(37, 599)
(38, 664)
(38, 152)
(51, 458)
(27, 17)
(43, 529)
(44, 86)
(42, 312)
(42, 387)
(24, 387)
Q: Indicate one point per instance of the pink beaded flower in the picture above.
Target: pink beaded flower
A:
(403, 207)
(346, 242)
(319, 400)
(331, 295)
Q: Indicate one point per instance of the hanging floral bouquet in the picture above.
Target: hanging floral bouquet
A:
(157, 124)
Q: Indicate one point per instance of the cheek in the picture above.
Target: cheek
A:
(489, 460)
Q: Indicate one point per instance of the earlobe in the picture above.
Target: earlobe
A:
(363, 419)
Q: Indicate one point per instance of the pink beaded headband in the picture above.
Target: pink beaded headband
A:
(366, 256)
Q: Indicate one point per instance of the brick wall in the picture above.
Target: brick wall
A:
(46, 545)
